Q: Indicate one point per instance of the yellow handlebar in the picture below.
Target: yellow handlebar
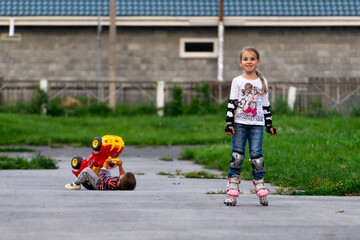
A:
(114, 163)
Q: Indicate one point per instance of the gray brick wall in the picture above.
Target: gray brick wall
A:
(149, 54)
(296, 54)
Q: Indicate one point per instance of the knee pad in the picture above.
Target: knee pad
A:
(236, 160)
(258, 164)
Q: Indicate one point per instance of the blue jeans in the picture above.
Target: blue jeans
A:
(252, 133)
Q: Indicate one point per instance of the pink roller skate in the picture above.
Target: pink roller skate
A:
(261, 191)
(232, 190)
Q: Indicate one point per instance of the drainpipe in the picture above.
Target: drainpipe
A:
(220, 64)
(112, 54)
(99, 61)
(12, 27)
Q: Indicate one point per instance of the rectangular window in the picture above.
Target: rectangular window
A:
(198, 48)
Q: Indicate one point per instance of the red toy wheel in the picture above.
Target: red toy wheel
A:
(96, 144)
(76, 162)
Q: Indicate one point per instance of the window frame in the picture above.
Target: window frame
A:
(184, 54)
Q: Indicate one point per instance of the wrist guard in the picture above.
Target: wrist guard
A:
(267, 129)
(228, 125)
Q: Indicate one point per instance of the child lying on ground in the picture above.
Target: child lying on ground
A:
(125, 181)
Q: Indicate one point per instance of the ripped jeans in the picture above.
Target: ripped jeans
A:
(252, 133)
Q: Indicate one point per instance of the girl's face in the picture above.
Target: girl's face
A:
(249, 61)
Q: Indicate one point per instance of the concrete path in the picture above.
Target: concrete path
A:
(35, 205)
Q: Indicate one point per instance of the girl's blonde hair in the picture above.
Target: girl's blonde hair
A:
(254, 50)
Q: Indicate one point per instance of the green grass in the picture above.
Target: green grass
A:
(38, 162)
(17, 129)
(317, 156)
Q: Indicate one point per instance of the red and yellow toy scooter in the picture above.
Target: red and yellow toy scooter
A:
(105, 147)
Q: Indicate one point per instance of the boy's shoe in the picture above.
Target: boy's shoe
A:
(72, 186)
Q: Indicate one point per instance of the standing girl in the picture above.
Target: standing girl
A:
(248, 111)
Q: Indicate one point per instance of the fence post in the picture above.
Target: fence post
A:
(160, 97)
(291, 97)
(44, 88)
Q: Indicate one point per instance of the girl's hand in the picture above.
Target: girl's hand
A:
(273, 131)
(229, 130)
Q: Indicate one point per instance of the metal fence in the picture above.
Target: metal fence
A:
(327, 93)
(341, 94)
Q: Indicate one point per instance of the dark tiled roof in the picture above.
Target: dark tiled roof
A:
(180, 7)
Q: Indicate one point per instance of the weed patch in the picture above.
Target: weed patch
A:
(38, 162)
(217, 192)
(201, 174)
(194, 174)
(169, 174)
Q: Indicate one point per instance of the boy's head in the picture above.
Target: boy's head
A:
(127, 181)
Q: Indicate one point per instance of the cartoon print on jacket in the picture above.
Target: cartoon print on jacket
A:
(248, 98)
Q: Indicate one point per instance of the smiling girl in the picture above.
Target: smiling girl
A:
(248, 111)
